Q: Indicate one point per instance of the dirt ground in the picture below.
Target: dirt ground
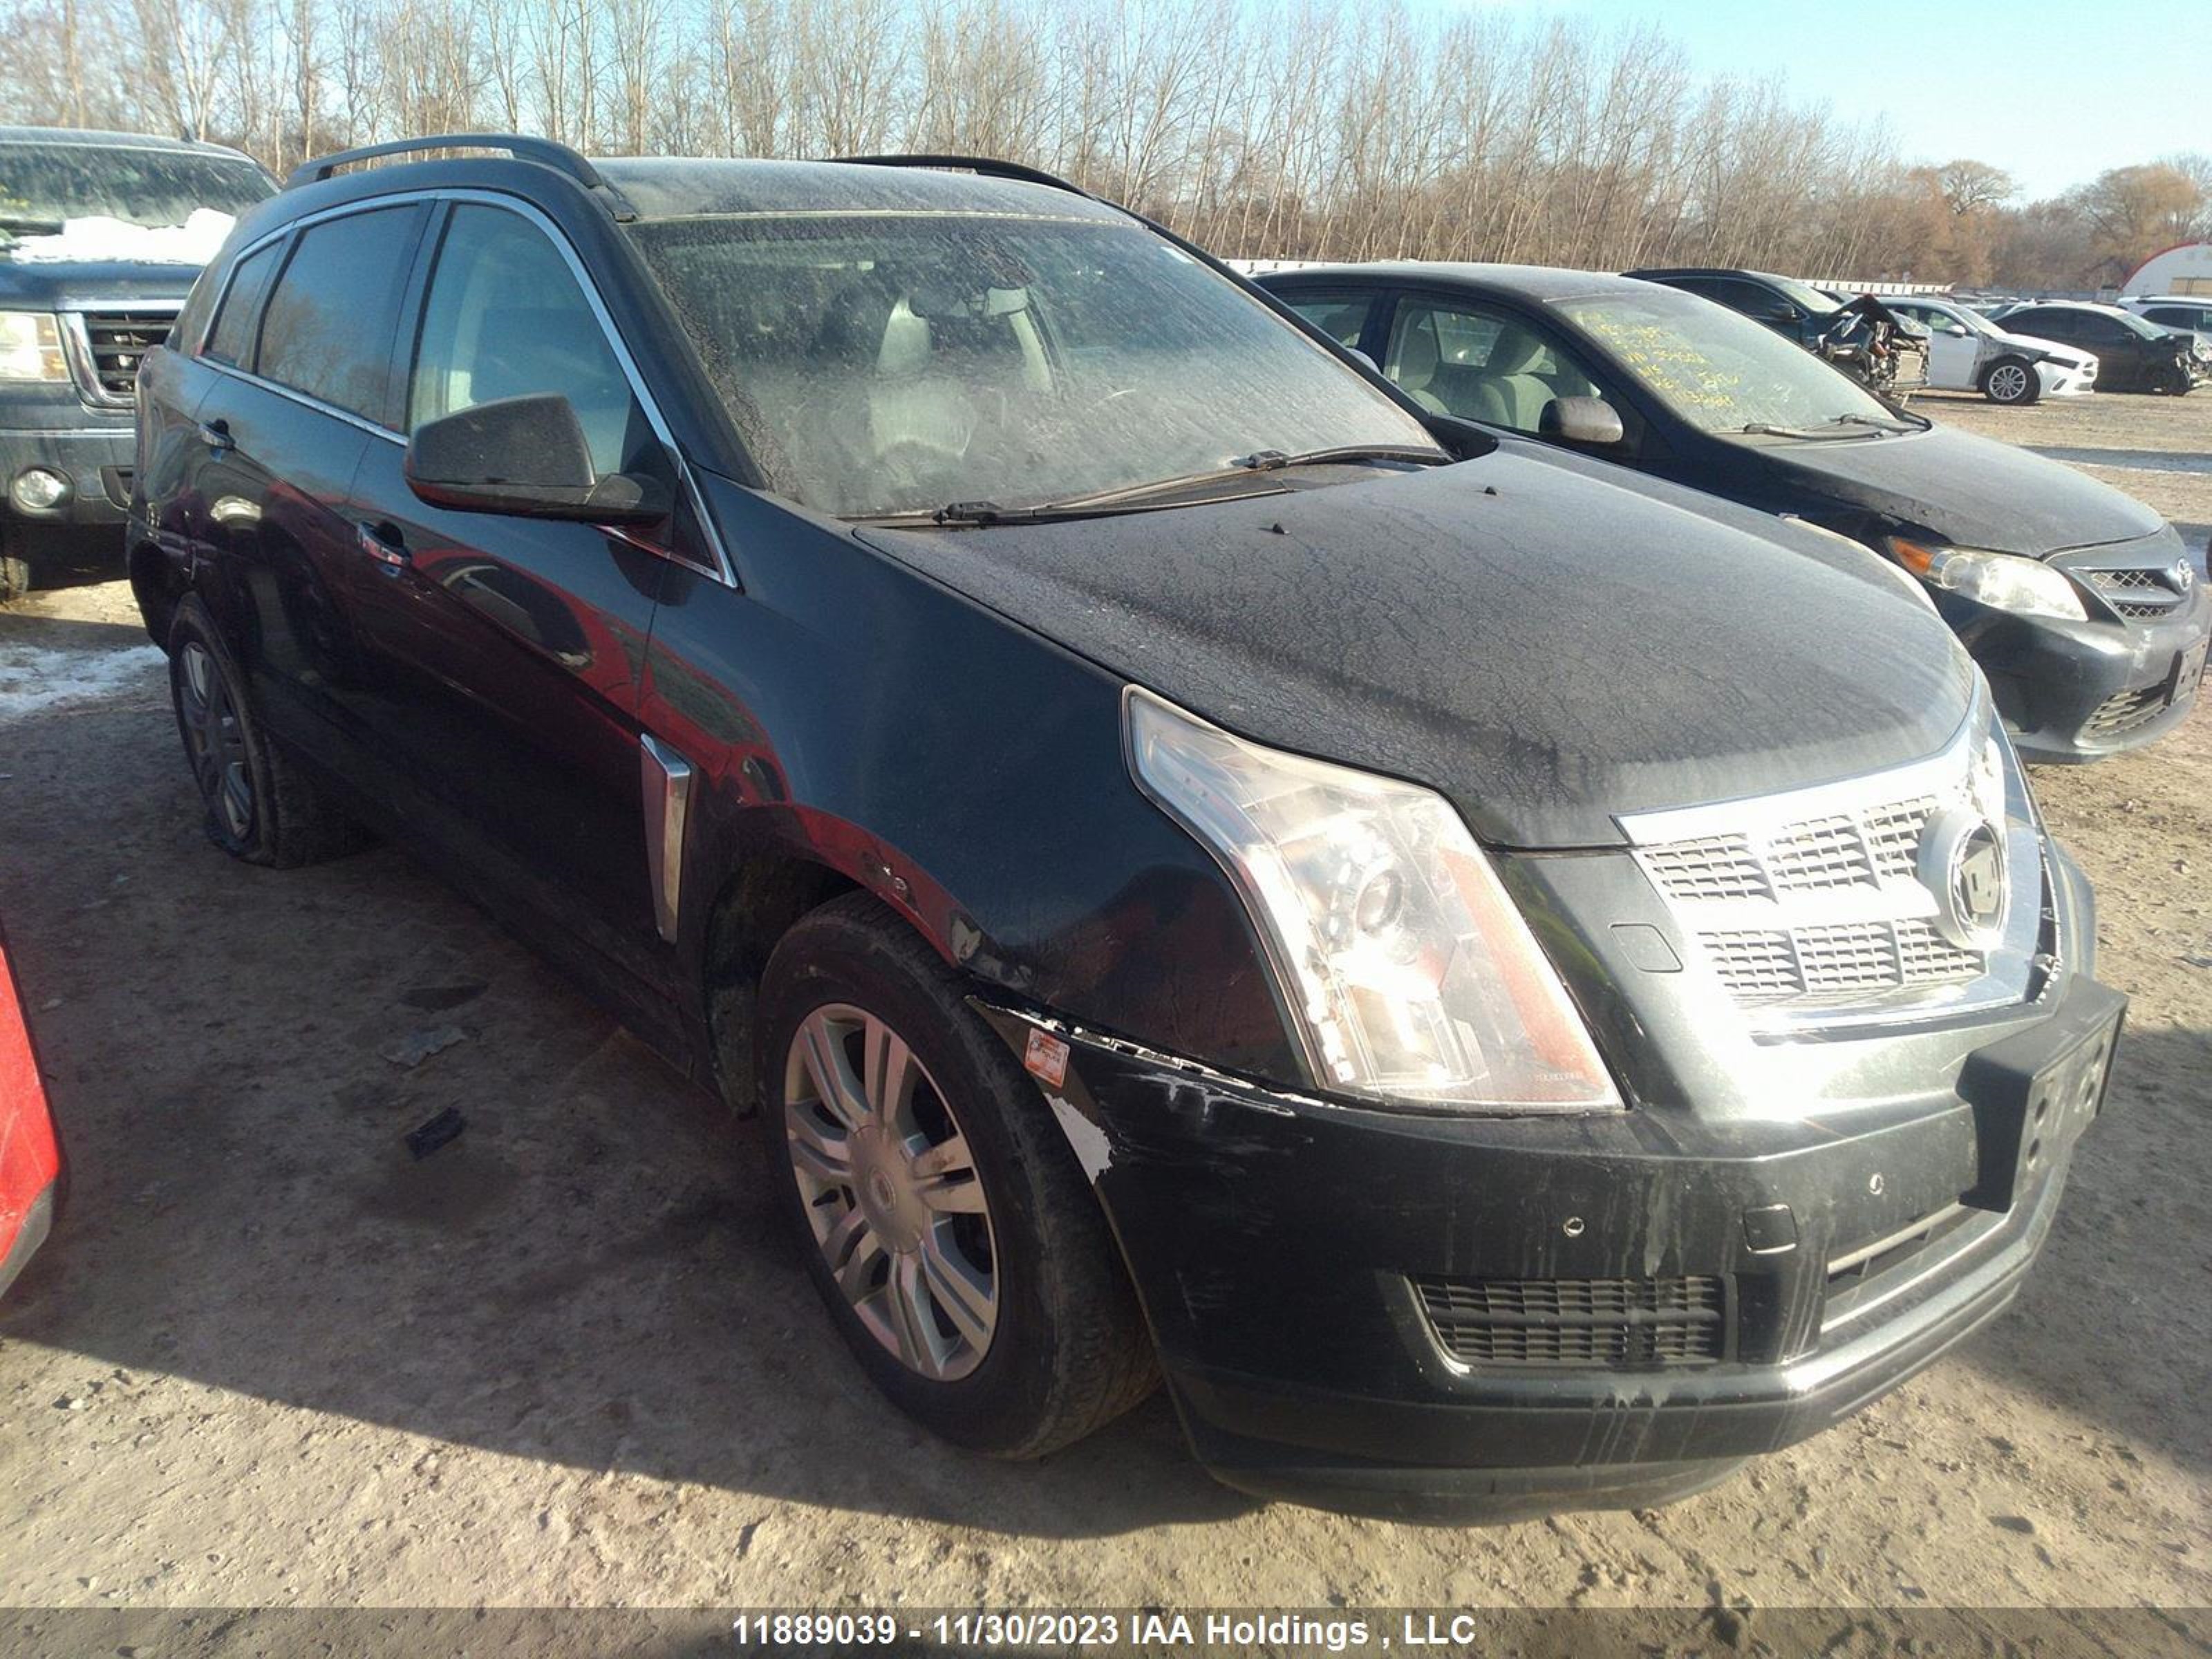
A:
(270, 1360)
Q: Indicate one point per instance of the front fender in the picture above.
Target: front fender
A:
(844, 712)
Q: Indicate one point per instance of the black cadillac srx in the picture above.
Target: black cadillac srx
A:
(1510, 985)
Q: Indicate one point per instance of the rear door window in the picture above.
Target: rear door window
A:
(1342, 317)
(327, 331)
(231, 340)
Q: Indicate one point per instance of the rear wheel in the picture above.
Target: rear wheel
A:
(15, 567)
(261, 807)
(2011, 380)
(943, 1219)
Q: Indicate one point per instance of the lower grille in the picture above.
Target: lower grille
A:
(2123, 711)
(1609, 1324)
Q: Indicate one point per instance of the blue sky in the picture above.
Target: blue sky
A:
(2053, 91)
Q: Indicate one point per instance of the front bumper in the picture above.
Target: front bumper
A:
(2079, 691)
(92, 448)
(1289, 1252)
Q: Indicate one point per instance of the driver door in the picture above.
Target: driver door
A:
(502, 653)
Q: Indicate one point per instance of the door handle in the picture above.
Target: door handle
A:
(215, 435)
(383, 543)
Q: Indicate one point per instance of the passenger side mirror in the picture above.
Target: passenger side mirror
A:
(1591, 421)
(526, 456)
(1956, 330)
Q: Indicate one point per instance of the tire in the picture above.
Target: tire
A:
(2012, 380)
(261, 807)
(1060, 1349)
(15, 567)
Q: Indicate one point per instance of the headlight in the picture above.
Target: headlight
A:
(30, 347)
(2007, 581)
(1409, 973)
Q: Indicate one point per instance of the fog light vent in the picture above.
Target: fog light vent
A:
(1610, 1324)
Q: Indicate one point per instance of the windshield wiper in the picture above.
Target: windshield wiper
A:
(1842, 426)
(1260, 460)
(1133, 497)
(1274, 460)
(1878, 423)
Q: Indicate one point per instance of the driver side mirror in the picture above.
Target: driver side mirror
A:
(1591, 421)
(524, 456)
(1956, 330)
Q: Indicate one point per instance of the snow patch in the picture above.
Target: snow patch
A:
(192, 243)
(34, 678)
(1092, 1150)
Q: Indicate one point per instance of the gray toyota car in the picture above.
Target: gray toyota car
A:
(2081, 604)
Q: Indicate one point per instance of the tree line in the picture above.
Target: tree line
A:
(1304, 129)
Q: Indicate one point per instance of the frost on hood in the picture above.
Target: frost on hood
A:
(192, 243)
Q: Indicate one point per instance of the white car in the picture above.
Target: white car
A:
(1967, 352)
(2190, 311)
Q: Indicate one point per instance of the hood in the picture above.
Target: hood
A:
(1547, 641)
(88, 284)
(1968, 490)
(2042, 348)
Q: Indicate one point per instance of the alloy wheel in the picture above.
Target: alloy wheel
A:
(892, 1192)
(2008, 383)
(215, 741)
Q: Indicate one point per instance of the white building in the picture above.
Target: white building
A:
(2184, 270)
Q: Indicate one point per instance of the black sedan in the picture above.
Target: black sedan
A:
(2133, 354)
(2081, 604)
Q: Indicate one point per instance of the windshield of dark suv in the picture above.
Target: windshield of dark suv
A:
(878, 364)
(1722, 371)
(41, 185)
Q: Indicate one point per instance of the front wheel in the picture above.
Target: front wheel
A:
(2011, 380)
(943, 1219)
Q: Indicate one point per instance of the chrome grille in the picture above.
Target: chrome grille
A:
(2136, 593)
(112, 343)
(1811, 908)
(1845, 961)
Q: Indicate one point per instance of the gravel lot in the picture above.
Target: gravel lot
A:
(270, 1360)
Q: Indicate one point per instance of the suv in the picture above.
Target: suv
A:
(2173, 311)
(1166, 861)
(101, 234)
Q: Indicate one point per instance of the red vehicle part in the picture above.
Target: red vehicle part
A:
(30, 1155)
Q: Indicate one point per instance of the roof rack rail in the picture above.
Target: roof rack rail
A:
(546, 152)
(979, 164)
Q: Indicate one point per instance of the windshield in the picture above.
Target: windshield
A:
(1719, 369)
(1810, 298)
(883, 363)
(41, 185)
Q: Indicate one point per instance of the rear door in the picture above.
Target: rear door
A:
(504, 653)
(299, 350)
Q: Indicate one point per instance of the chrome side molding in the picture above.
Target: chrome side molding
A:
(666, 776)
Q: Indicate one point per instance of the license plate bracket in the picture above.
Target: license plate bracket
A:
(2031, 1103)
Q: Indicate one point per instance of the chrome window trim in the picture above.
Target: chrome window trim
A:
(720, 570)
